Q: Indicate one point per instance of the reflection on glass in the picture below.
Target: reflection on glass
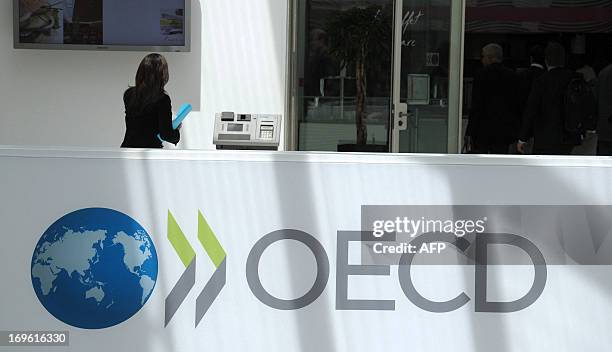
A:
(424, 75)
(583, 27)
(345, 66)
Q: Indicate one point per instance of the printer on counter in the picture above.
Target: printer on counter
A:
(247, 131)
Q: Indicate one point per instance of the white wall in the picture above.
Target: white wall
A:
(73, 98)
(244, 51)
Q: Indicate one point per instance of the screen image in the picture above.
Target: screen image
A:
(132, 23)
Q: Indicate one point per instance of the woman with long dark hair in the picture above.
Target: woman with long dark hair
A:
(148, 109)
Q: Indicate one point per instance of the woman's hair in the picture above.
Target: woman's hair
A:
(151, 78)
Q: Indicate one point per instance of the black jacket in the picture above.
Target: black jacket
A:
(543, 119)
(495, 111)
(526, 79)
(143, 127)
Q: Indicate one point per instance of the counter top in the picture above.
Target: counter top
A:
(301, 157)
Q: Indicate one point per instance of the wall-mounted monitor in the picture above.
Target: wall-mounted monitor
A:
(131, 25)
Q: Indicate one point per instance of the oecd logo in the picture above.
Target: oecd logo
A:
(94, 268)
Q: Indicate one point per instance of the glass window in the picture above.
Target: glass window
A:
(523, 30)
(344, 69)
(424, 75)
(346, 75)
(350, 94)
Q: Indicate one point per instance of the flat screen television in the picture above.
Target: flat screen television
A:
(131, 25)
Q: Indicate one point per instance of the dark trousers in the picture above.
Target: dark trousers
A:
(563, 149)
(604, 148)
(489, 146)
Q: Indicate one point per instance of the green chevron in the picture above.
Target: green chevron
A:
(209, 241)
(179, 242)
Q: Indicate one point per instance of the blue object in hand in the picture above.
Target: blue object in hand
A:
(182, 114)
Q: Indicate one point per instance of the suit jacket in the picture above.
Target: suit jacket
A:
(142, 127)
(526, 79)
(543, 119)
(495, 114)
(604, 127)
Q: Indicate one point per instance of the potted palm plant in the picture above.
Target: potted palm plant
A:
(359, 38)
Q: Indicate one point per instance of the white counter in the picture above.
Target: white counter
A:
(245, 197)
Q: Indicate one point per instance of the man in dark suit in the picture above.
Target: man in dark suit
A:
(604, 92)
(528, 76)
(495, 117)
(544, 116)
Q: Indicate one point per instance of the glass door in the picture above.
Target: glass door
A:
(376, 75)
(427, 64)
(343, 51)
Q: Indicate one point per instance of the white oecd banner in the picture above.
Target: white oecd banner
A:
(205, 251)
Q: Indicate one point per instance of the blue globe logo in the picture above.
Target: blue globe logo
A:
(94, 268)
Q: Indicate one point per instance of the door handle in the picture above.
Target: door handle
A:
(402, 117)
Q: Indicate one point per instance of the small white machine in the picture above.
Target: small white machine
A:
(247, 131)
